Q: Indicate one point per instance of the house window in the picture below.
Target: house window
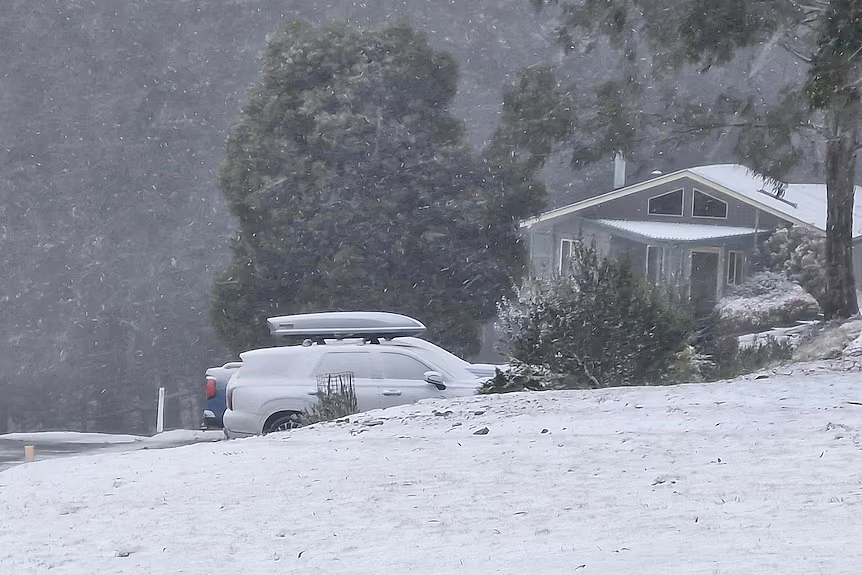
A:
(566, 249)
(654, 262)
(734, 268)
(669, 204)
(706, 206)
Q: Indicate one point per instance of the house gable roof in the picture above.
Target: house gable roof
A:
(802, 204)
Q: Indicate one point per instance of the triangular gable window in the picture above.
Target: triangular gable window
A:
(669, 204)
(706, 206)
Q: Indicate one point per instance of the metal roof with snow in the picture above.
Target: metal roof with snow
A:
(802, 204)
(677, 231)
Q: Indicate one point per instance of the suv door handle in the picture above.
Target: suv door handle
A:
(313, 392)
(392, 392)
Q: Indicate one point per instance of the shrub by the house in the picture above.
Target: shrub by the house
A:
(600, 324)
(727, 359)
(765, 300)
(799, 254)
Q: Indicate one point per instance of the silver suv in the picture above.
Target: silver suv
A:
(274, 385)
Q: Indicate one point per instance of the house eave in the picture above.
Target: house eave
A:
(666, 179)
(650, 239)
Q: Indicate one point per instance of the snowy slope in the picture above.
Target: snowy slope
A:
(751, 476)
(74, 437)
(176, 436)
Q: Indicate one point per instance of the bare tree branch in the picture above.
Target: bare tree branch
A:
(816, 6)
(790, 49)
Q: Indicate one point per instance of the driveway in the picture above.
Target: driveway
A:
(51, 445)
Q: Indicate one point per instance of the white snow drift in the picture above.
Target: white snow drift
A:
(173, 437)
(750, 476)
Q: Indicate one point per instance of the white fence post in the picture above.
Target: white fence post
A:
(160, 417)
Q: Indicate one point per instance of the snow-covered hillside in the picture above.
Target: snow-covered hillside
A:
(751, 476)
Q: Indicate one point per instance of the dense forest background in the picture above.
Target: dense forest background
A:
(114, 119)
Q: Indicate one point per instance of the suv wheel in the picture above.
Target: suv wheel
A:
(283, 423)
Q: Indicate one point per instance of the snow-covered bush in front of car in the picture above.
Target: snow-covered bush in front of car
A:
(526, 377)
(765, 300)
(601, 324)
(336, 398)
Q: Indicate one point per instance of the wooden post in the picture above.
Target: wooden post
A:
(160, 417)
(29, 453)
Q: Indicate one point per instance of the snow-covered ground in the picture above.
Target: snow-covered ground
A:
(751, 476)
(78, 438)
(70, 437)
(790, 335)
(53, 444)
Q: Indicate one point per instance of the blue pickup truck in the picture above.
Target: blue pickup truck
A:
(216, 383)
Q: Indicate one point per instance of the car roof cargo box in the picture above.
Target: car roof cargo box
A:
(345, 324)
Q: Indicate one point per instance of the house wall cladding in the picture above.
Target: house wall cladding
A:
(545, 241)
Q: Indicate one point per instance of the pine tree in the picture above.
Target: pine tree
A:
(355, 190)
(599, 324)
(818, 109)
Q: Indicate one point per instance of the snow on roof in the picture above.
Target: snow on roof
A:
(804, 202)
(677, 231)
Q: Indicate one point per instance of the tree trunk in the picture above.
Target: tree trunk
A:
(840, 298)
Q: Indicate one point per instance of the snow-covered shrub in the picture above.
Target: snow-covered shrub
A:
(690, 366)
(799, 254)
(336, 398)
(600, 324)
(754, 358)
(854, 349)
(766, 299)
(727, 359)
(830, 341)
(524, 377)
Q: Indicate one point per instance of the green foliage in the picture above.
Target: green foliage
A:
(727, 360)
(712, 31)
(600, 324)
(536, 117)
(336, 398)
(756, 357)
(798, 254)
(774, 135)
(354, 189)
(526, 377)
(689, 366)
(835, 67)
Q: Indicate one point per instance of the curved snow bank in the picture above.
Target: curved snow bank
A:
(855, 348)
(830, 341)
(174, 437)
(747, 476)
(71, 437)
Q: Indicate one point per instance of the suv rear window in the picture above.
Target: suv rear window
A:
(356, 362)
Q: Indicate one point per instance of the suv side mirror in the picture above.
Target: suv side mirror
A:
(435, 379)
